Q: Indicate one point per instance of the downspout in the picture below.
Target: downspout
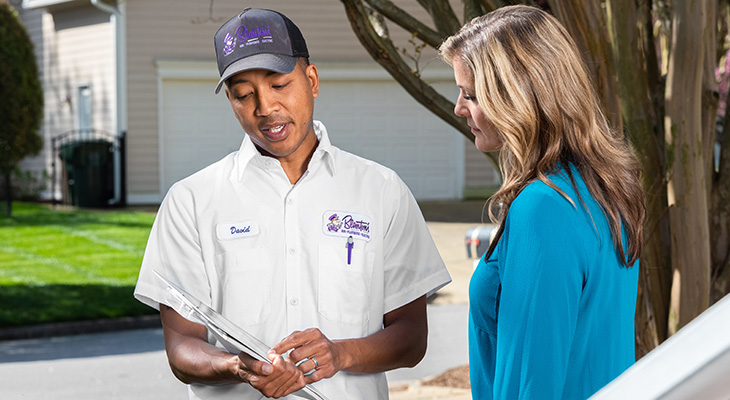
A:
(117, 20)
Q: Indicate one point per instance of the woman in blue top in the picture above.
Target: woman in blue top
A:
(552, 302)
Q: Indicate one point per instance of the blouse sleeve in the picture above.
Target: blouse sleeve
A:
(542, 277)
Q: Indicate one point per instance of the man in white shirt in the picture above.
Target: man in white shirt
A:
(290, 237)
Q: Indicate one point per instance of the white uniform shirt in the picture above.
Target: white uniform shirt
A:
(272, 257)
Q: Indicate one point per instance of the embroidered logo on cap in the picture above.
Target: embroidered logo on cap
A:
(236, 230)
(230, 44)
(260, 34)
(345, 224)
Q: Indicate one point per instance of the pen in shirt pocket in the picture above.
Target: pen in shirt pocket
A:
(349, 245)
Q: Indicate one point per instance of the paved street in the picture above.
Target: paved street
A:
(132, 365)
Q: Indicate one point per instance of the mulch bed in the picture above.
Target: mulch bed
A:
(455, 378)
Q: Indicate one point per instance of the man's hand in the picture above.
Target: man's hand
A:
(193, 360)
(278, 379)
(315, 355)
(401, 343)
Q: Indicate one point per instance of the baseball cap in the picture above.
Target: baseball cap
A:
(258, 39)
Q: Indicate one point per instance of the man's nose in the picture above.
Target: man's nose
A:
(267, 104)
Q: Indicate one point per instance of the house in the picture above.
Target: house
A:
(147, 68)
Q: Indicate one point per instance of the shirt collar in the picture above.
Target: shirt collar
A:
(248, 154)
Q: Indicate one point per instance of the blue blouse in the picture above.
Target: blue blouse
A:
(552, 310)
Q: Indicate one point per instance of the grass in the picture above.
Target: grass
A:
(59, 265)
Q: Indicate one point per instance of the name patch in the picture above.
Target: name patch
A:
(346, 224)
(236, 230)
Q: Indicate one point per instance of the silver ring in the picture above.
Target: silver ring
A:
(310, 372)
(316, 364)
(302, 361)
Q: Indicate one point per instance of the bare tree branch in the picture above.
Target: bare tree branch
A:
(489, 5)
(407, 22)
(443, 16)
(382, 50)
(472, 9)
(210, 17)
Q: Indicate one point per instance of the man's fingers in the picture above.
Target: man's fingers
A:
(253, 366)
(286, 379)
(295, 339)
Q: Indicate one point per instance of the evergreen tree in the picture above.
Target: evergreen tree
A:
(21, 97)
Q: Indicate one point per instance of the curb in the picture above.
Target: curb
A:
(81, 327)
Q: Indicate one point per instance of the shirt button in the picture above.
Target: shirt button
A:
(292, 251)
(289, 201)
(294, 301)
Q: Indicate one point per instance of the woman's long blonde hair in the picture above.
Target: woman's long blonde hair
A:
(531, 83)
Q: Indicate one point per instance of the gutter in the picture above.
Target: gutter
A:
(118, 21)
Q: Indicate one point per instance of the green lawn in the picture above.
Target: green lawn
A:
(70, 265)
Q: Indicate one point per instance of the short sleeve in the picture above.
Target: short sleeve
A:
(412, 264)
(542, 274)
(173, 250)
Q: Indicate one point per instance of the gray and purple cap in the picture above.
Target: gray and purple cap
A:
(258, 39)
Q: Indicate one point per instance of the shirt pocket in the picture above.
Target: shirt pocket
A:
(246, 281)
(344, 289)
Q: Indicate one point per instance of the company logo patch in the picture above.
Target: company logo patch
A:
(236, 230)
(345, 224)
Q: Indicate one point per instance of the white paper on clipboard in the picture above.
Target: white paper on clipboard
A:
(233, 337)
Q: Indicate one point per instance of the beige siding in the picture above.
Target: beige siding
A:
(74, 47)
(33, 22)
(84, 55)
(479, 170)
(182, 30)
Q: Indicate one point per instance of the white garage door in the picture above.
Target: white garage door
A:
(380, 121)
(375, 119)
(197, 128)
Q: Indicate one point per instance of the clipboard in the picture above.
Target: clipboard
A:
(233, 337)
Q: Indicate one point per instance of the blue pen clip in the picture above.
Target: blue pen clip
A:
(350, 243)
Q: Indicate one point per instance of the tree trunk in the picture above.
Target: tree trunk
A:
(720, 189)
(640, 121)
(720, 217)
(686, 191)
(9, 194)
(710, 94)
(586, 23)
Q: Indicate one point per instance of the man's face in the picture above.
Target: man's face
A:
(276, 109)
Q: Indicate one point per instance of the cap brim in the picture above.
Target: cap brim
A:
(270, 62)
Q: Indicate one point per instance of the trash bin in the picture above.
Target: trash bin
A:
(477, 240)
(89, 172)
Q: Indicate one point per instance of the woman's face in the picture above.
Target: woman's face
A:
(485, 133)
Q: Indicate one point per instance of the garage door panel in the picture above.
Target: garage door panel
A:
(374, 119)
(198, 128)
